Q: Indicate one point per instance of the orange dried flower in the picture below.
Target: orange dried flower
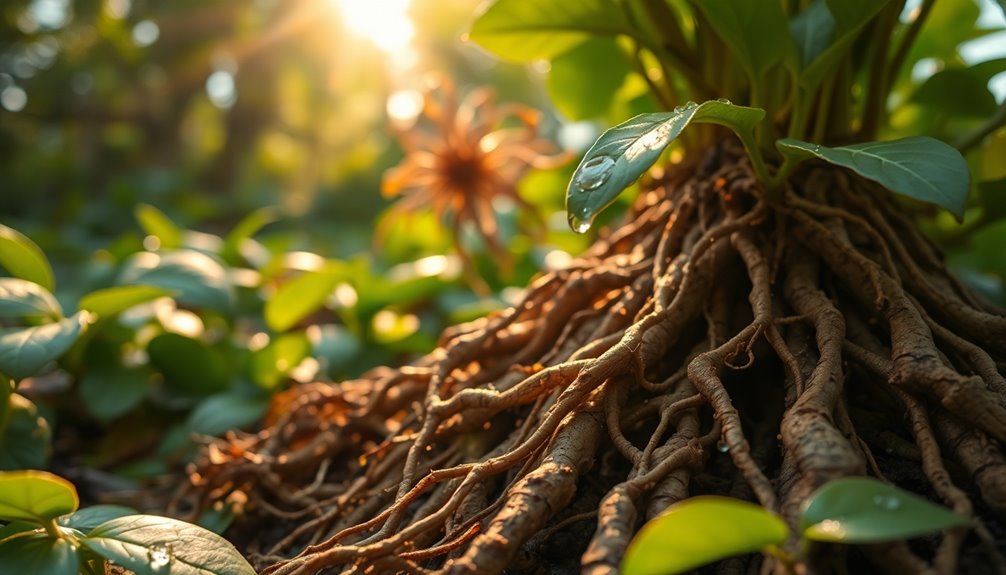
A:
(460, 156)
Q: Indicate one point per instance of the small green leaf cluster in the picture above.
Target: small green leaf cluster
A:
(45, 532)
(851, 510)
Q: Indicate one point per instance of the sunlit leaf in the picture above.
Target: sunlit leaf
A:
(579, 94)
(230, 410)
(21, 298)
(272, 362)
(109, 392)
(198, 279)
(865, 510)
(108, 302)
(26, 350)
(24, 442)
(39, 553)
(526, 31)
(156, 223)
(24, 259)
(756, 31)
(88, 518)
(29, 495)
(922, 168)
(698, 531)
(624, 152)
(246, 228)
(148, 545)
(300, 297)
(188, 364)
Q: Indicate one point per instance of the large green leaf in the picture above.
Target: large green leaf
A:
(25, 437)
(113, 300)
(301, 296)
(624, 152)
(847, 19)
(157, 224)
(198, 279)
(962, 92)
(921, 167)
(88, 518)
(24, 259)
(149, 545)
(698, 531)
(111, 391)
(865, 510)
(756, 31)
(37, 496)
(189, 365)
(38, 553)
(25, 350)
(525, 31)
(21, 298)
(229, 410)
(583, 82)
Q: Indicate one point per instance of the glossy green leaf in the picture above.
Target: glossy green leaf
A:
(197, 279)
(38, 553)
(26, 350)
(38, 496)
(524, 31)
(756, 31)
(865, 510)
(582, 95)
(26, 436)
(698, 531)
(155, 223)
(922, 168)
(624, 152)
(271, 363)
(21, 298)
(230, 410)
(813, 31)
(149, 545)
(24, 259)
(189, 365)
(111, 301)
(88, 518)
(849, 17)
(109, 392)
(300, 297)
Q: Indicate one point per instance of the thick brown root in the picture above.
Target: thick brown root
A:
(712, 344)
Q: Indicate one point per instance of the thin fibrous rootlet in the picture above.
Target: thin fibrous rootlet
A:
(711, 344)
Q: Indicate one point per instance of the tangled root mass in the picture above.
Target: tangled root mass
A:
(710, 345)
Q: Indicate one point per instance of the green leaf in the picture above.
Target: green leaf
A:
(865, 510)
(301, 296)
(275, 360)
(111, 301)
(698, 531)
(26, 350)
(848, 17)
(198, 279)
(921, 167)
(230, 410)
(24, 443)
(524, 31)
(24, 259)
(156, 223)
(90, 517)
(961, 92)
(15, 527)
(812, 31)
(23, 298)
(246, 228)
(624, 152)
(109, 392)
(37, 496)
(38, 553)
(756, 31)
(188, 364)
(583, 82)
(149, 545)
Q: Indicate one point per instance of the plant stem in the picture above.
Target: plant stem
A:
(52, 529)
(877, 85)
(993, 123)
(907, 40)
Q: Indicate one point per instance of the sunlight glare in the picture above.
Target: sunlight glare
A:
(386, 23)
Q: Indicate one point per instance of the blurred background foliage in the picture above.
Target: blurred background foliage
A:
(229, 155)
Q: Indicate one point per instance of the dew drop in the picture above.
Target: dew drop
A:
(159, 556)
(888, 503)
(723, 101)
(593, 173)
(722, 446)
(578, 225)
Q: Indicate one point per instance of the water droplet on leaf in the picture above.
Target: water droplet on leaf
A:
(722, 446)
(593, 173)
(888, 502)
(723, 101)
(159, 556)
(578, 225)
